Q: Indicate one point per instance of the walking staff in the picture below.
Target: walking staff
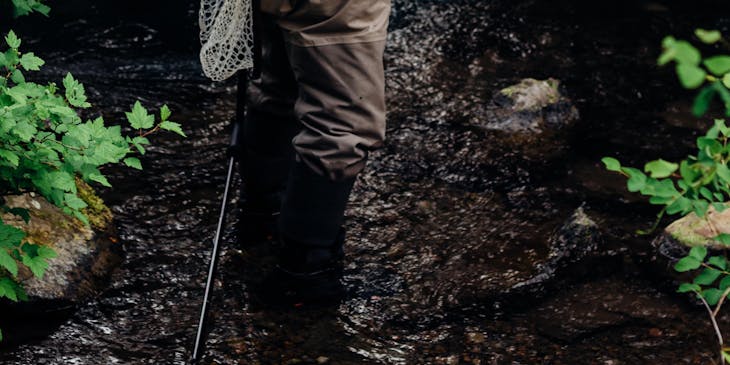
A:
(252, 57)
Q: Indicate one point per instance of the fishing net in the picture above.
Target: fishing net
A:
(226, 35)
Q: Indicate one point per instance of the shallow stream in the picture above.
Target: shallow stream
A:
(442, 218)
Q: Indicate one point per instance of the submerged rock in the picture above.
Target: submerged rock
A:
(531, 106)
(571, 248)
(86, 254)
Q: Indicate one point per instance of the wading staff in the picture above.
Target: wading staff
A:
(233, 151)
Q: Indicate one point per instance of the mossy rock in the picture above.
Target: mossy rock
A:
(679, 237)
(530, 107)
(86, 253)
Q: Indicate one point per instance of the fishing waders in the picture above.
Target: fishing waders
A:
(313, 117)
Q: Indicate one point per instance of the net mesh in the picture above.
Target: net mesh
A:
(226, 35)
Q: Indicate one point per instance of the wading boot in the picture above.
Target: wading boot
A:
(312, 239)
(264, 164)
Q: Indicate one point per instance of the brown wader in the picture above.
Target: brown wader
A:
(314, 115)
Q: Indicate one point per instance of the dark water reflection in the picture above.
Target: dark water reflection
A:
(443, 217)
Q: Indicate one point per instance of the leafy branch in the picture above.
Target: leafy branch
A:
(25, 7)
(45, 147)
(700, 182)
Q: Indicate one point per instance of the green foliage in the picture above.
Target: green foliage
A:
(700, 181)
(45, 146)
(693, 184)
(25, 7)
(694, 71)
(14, 249)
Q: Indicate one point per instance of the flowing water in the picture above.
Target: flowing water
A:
(443, 217)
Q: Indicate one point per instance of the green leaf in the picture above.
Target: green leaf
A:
(690, 75)
(718, 261)
(709, 144)
(172, 127)
(8, 262)
(164, 113)
(718, 65)
(12, 40)
(721, 127)
(75, 93)
(37, 264)
(700, 207)
(707, 277)
(660, 168)
(663, 188)
(637, 179)
(10, 157)
(720, 207)
(47, 253)
(30, 62)
(133, 163)
(724, 283)
(705, 192)
(139, 143)
(687, 288)
(723, 238)
(62, 180)
(98, 177)
(17, 76)
(139, 118)
(687, 264)
(611, 163)
(712, 295)
(681, 51)
(703, 100)
(708, 36)
(686, 53)
(724, 95)
(726, 80)
(10, 236)
(698, 252)
(73, 201)
(723, 172)
(682, 204)
(689, 174)
(41, 8)
(8, 289)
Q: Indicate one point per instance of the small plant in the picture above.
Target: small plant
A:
(712, 74)
(45, 147)
(711, 286)
(700, 182)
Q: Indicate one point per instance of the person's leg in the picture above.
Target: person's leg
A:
(341, 106)
(268, 130)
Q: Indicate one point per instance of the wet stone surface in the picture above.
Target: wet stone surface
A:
(446, 221)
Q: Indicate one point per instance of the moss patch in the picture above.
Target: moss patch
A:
(98, 213)
(533, 95)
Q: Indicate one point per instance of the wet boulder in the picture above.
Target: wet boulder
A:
(531, 106)
(573, 250)
(86, 254)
